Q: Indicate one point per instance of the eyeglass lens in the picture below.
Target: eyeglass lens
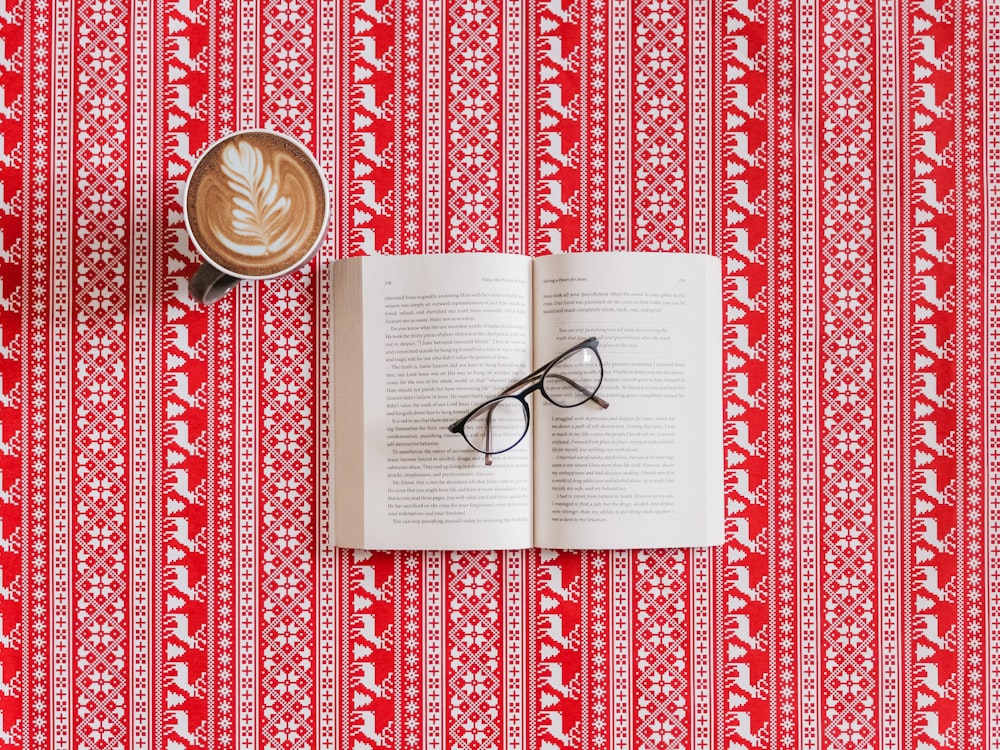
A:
(573, 378)
(497, 426)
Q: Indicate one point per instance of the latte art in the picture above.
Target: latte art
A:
(256, 205)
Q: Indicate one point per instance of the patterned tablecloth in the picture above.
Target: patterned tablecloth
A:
(166, 575)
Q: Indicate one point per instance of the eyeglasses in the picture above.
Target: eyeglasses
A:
(569, 380)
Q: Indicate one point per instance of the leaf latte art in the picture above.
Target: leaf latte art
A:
(256, 205)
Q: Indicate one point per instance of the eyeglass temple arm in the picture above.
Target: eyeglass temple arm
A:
(593, 396)
(489, 436)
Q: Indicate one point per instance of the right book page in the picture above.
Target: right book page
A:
(646, 472)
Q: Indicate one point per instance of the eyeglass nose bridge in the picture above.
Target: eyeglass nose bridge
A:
(488, 408)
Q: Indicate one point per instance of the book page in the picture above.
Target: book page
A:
(647, 471)
(442, 334)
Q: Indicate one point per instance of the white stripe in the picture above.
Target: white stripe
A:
(245, 297)
(991, 413)
(622, 596)
(781, 494)
(889, 159)
(34, 501)
(992, 405)
(61, 243)
(139, 568)
(810, 651)
(700, 134)
(328, 624)
(247, 531)
(621, 126)
(700, 181)
(433, 90)
(249, 105)
(434, 708)
(702, 654)
(515, 684)
(513, 115)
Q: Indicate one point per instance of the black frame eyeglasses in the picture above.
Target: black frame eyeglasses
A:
(571, 379)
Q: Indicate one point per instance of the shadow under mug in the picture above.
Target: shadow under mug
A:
(214, 279)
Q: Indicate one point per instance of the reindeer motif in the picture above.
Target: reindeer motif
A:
(739, 724)
(741, 631)
(927, 435)
(927, 337)
(744, 9)
(178, 336)
(743, 679)
(741, 341)
(370, 9)
(928, 100)
(178, 673)
(740, 485)
(553, 726)
(552, 148)
(368, 53)
(178, 577)
(367, 100)
(926, 290)
(365, 580)
(931, 630)
(553, 630)
(741, 100)
(369, 149)
(180, 725)
(181, 100)
(367, 679)
(367, 631)
(551, 49)
(927, 532)
(929, 245)
(366, 197)
(927, 191)
(741, 533)
(926, 50)
(740, 581)
(553, 196)
(741, 150)
(552, 579)
(929, 8)
(181, 629)
(181, 485)
(927, 579)
(930, 726)
(179, 387)
(928, 484)
(927, 144)
(741, 52)
(553, 100)
(555, 7)
(178, 529)
(552, 676)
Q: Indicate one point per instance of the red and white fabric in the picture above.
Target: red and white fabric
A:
(166, 580)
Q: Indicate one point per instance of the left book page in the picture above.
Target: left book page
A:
(418, 341)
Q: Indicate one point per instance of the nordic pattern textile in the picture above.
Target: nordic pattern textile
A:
(167, 580)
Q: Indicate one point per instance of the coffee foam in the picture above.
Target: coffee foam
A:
(255, 204)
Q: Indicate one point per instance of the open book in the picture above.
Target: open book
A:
(421, 340)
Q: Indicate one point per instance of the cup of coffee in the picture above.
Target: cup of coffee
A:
(256, 206)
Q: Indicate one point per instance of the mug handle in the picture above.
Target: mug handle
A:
(209, 284)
